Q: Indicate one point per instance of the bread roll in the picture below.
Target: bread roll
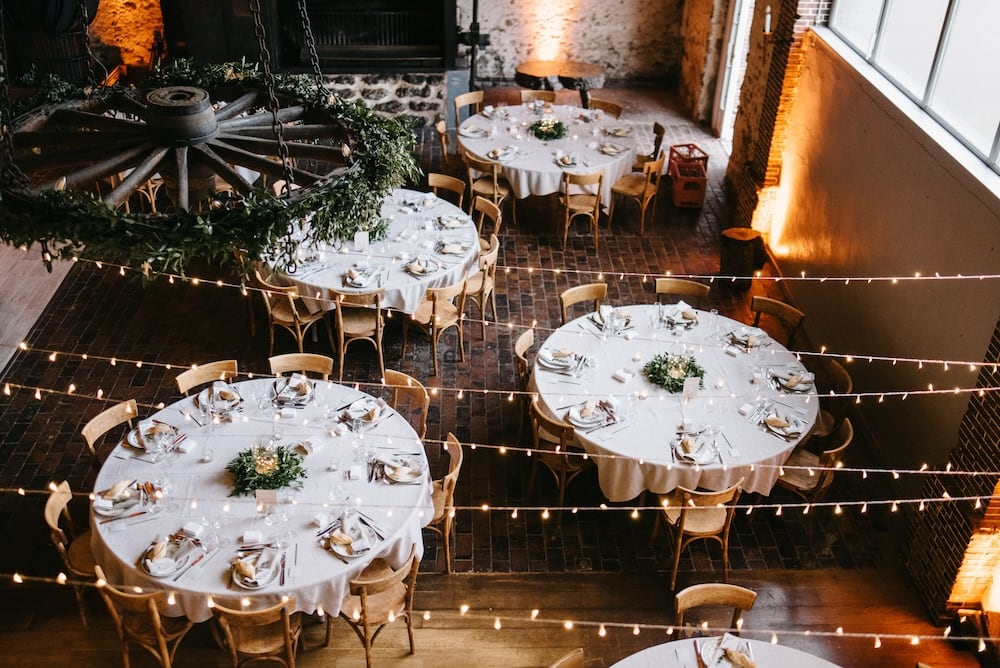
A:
(739, 658)
(244, 569)
(588, 409)
(158, 551)
(689, 315)
(776, 421)
(688, 445)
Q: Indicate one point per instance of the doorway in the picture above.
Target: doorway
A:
(732, 67)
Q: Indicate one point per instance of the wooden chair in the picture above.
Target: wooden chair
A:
(442, 182)
(437, 313)
(74, 549)
(521, 347)
(472, 99)
(833, 409)
(105, 421)
(692, 515)
(553, 441)
(488, 217)
(286, 310)
(408, 390)
(206, 373)
(479, 287)
(359, 318)
(608, 107)
(137, 620)
(580, 195)
(572, 659)
(595, 292)
(790, 317)
(682, 287)
(443, 496)
(268, 634)
(533, 95)
(486, 180)
(302, 362)
(713, 595)
(658, 132)
(642, 188)
(379, 596)
(448, 158)
(808, 475)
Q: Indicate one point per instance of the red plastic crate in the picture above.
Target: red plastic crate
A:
(681, 154)
(689, 182)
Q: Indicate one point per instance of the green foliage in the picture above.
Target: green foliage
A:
(548, 129)
(670, 371)
(246, 479)
(379, 152)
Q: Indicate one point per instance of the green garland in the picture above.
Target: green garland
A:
(246, 479)
(379, 149)
(670, 371)
(548, 129)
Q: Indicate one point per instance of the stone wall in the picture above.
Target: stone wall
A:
(636, 40)
(419, 97)
(128, 26)
(704, 23)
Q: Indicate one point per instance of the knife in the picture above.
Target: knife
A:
(189, 567)
(124, 517)
(281, 580)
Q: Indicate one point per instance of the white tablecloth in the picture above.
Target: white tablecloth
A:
(315, 577)
(681, 654)
(533, 170)
(413, 230)
(636, 451)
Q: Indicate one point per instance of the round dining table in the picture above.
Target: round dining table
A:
(639, 442)
(198, 501)
(593, 142)
(422, 226)
(683, 654)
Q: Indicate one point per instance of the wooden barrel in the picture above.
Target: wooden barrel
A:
(742, 253)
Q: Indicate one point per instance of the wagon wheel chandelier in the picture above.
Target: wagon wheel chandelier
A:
(180, 137)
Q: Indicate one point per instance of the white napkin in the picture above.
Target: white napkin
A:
(623, 375)
(356, 472)
(321, 520)
(193, 529)
(351, 525)
(252, 536)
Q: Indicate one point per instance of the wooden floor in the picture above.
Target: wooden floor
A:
(41, 627)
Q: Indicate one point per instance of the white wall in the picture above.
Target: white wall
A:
(867, 192)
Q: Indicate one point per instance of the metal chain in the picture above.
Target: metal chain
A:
(10, 175)
(91, 58)
(313, 56)
(272, 99)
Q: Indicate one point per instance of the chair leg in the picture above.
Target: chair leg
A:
(448, 527)
(434, 348)
(82, 604)
(461, 339)
(611, 210)
(677, 559)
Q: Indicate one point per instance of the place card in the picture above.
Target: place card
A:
(267, 497)
(691, 387)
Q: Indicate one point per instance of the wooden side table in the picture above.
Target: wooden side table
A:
(545, 74)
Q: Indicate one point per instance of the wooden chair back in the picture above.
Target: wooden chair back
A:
(448, 483)
(786, 314)
(484, 211)
(595, 292)
(581, 196)
(105, 421)
(447, 157)
(57, 510)
(829, 460)
(682, 287)
(206, 373)
(268, 633)
(533, 95)
(713, 594)
(472, 99)
(137, 620)
(407, 389)
(540, 421)
(442, 182)
(522, 345)
(607, 106)
(359, 318)
(484, 176)
(306, 363)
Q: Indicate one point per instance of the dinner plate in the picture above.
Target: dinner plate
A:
(611, 149)
(573, 162)
(451, 247)
(290, 395)
(547, 360)
(502, 154)
(402, 469)
(265, 572)
(207, 398)
(473, 132)
(805, 384)
(618, 132)
(174, 547)
(359, 281)
(713, 652)
(120, 507)
(794, 428)
(169, 432)
(451, 222)
(426, 267)
(599, 321)
(748, 336)
(703, 455)
(592, 420)
(347, 552)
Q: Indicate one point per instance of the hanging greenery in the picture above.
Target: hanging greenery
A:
(379, 154)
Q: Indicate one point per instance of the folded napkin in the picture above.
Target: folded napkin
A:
(795, 380)
(566, 160)
(451, 222)
(192, 529)
(358, 277)
(618, 131)
(120, 490)
(421, 266)
(623, 375)
(502, 153)
(611, 149)
(350, 524)
(356, 472)
(223, 392)
(452, 248)
(472, 131)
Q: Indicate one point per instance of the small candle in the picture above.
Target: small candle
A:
(637, 357)
(643, 394)
(767, 20)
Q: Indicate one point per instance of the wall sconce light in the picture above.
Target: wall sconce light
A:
(767, 24)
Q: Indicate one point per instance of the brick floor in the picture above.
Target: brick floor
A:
(99, 313)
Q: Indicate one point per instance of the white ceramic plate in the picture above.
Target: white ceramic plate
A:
(546, 360)
(592, 420)
(284, 394)
(267, 566)
(428, 267)
(347, 552)
(120, 508)
(174, 547)
(132, 438)
(793, 429)
(205, 399)
(703, 455)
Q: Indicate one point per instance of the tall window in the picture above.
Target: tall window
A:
(941, 53)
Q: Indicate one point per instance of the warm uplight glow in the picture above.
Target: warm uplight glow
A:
(545, 27)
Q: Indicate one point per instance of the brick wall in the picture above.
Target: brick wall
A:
(951, 549)
(766, 98)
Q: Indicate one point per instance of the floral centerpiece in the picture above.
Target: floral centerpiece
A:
(548, 129)
(670, 371)
(263, 467)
